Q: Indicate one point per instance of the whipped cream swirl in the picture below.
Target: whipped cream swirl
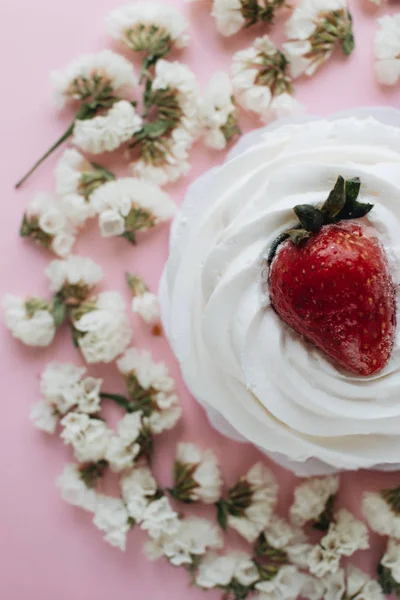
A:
(237, 356)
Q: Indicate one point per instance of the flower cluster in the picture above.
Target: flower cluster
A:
(151, 390)
(313, 501)
(30, 320)
(261, 80)
(144, 303)
(382, 512)
(315, 28)
(129, 205)
(218, 115)
(73, 279)
(233, 15)
(250, 503)
(387, 50)
(352, 583)
(197, 475)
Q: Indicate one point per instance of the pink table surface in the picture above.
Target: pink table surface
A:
(48, 549)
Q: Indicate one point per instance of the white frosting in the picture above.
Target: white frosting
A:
(236, 355)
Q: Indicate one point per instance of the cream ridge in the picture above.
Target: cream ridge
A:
(237, 357)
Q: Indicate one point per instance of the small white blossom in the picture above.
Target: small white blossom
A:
(286, 584)
(74, 490)
(63, 387)
(111, 517)
(151, 26)
(312, 588)
(310, 499)
(77, 210)
(44, 416)
(130, 204)
(261, 82)
(322, 562)
(91, 75)
(380, 516)
(75, 271)
(206, 476)
(68, 172)
(346, 534)
(353, 584)
(299, 553)
(280, 535)
(123, 448)
(138, 489)
(166, 418)
(172, 163)
(88, 437)
(218, 113)
(147, 307)
(47, 223)
(103, 330)
(105, 133)
(228, 16)
(148, 373)
(193, 538)
(159, 520)
(222, 570)
(89, 399)
(391, 559)
(262, 497)
(387, 50)
(30, 321)
(314, 29)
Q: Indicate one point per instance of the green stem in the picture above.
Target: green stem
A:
(58, 143)
(118, 399)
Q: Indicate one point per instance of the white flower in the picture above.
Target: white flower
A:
(354, 584)
(60, 384)
(159, 520)
(387, 50)
(150, 26)
(122, 450)
(261, 81)
(346, 534)
(391, 559)
(91, 75)
(299, 553)
(30, 321)
(103, 329)
(172, 153)
(44, 416)
(280, 535)
(148, 373)
(287, 584)
(88, 437)
(217, 113)
(380, 517)
(262, 495)
(312, 588)
(228, 16)
(147, 307)
(105, 133)
(111, 517)
(322, 562)
(206, 476)
(314, 29)
(74, 490)
(130, 204)
(221, 570)
(47, 223)
(193, 538)
(89, 398)
(68, 172)
(77, 210)
(310, 499)
(165, 419)
(335, 585)
(75, 271)
(138, 489)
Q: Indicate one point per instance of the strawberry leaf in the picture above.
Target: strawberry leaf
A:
(310, 218)
(335, 201)
(352, 189)
(298, 236)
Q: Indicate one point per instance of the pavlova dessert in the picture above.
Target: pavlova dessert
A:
(279, 294)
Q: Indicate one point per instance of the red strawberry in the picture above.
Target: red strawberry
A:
(336, 290)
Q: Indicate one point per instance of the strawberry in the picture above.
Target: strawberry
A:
(331, 283)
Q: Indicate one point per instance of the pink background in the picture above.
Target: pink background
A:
(49, 549)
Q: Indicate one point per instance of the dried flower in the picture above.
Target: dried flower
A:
(151, 27)
(101, 327)
(315, 28)
(74, 278)
(261, 81)
(311, 500)
(29, 320)
(250, 503)
(74, 490)
(124, 448)
(112, 518)
(227, 572)
(93, 77)
(346, 534)
(46, 223)
(128, 205)
(287, 583)
(159, 520)
(197, 475)
(144, 303)
(353, 584)
(382, 512)
(88, 436)
(322, 562)
(218, 117)
(107, 132)
(387, 50)
(233, 15)
(44, 417)
(139, 488)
